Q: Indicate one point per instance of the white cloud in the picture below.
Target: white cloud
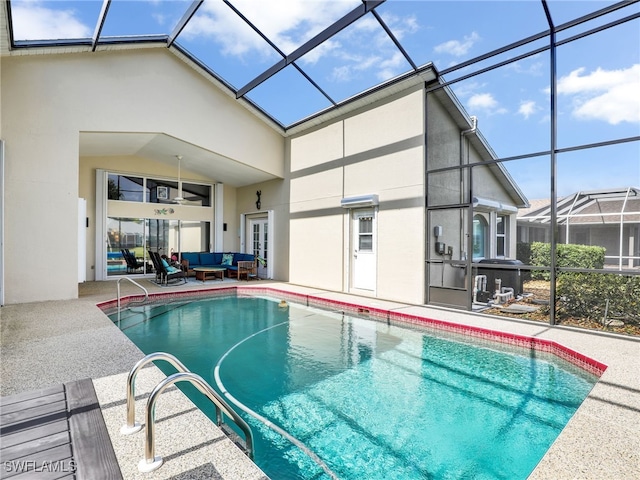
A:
(609, 95)
(482, 100)
(401, 26)
(529, 68)
(354, 64)
(32, 21)
(390, 66)
(341, 74)
(464, 89)
(486, 103)
(528, 108)
(288, 23)
(159, 18)
(456, 47)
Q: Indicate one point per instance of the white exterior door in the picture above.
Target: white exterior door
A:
(258, 243)
(363, 264)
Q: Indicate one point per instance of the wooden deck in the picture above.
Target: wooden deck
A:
(55, 433)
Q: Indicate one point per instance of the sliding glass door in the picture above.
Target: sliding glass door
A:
(163, 236)
(125, 233)
(139, 235)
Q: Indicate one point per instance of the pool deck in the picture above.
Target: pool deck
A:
(52, 343)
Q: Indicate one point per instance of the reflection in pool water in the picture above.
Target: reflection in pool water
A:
(372, 400)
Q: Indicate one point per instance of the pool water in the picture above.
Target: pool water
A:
(371, 400)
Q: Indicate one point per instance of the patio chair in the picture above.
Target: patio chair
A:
(248, 269)
(164, 271)
(132, 262)
(156, 268)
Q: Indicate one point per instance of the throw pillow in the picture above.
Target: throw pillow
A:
(227, 259)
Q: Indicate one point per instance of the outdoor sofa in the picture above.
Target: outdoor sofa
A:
(228, 260)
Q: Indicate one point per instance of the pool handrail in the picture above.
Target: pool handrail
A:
(146, 294)
(132, 426)
(150, 462)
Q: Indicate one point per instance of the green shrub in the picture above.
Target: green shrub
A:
(585, 295)
(568, 256)
(523, 252)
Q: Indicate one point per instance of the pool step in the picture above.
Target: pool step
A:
(132, 316)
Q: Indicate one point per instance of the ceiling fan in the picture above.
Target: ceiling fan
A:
(179, 199)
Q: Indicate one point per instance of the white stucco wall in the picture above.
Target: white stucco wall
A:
(49, 99)
(380, 151)
(274, 197)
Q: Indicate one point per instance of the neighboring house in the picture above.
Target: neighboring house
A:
(348, 200)
(609, 218)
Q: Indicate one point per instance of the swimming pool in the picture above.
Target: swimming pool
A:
(371, 399)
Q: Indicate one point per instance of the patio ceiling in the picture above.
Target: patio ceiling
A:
(163, 148)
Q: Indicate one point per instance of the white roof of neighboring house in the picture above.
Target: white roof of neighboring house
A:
(594, 207)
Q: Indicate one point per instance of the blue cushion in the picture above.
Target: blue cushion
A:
(227, 259)
(217, 258)
(192, 258)
(242, 257)
(207, 259)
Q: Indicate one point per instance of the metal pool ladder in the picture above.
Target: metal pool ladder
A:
(151, 462)
(146, 294)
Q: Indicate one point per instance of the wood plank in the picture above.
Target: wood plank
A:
(32, 417)
(31, 447)
(46, 475)
(95, 458)
(22, 396)
(58, 458)
(33, 402)
(35, 433)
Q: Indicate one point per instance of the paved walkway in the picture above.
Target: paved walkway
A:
(50, 343)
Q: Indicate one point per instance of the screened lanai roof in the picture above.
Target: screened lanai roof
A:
(295, 58)
(594, 207)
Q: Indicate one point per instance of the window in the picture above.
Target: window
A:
(125, 188)
(480, 227)
(197, 194)
(160, 191)
(152, 190)
(365, 237)
(501, 228)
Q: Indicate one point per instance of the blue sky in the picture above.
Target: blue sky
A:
(598, 75)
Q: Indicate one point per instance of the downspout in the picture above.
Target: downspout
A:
(467, 243)
(474, 126)
(463, 133)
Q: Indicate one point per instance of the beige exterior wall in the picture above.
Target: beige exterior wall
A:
(376, 151)
(274, 197)
(49, 99)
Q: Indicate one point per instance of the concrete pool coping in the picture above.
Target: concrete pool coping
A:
(48, 343)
